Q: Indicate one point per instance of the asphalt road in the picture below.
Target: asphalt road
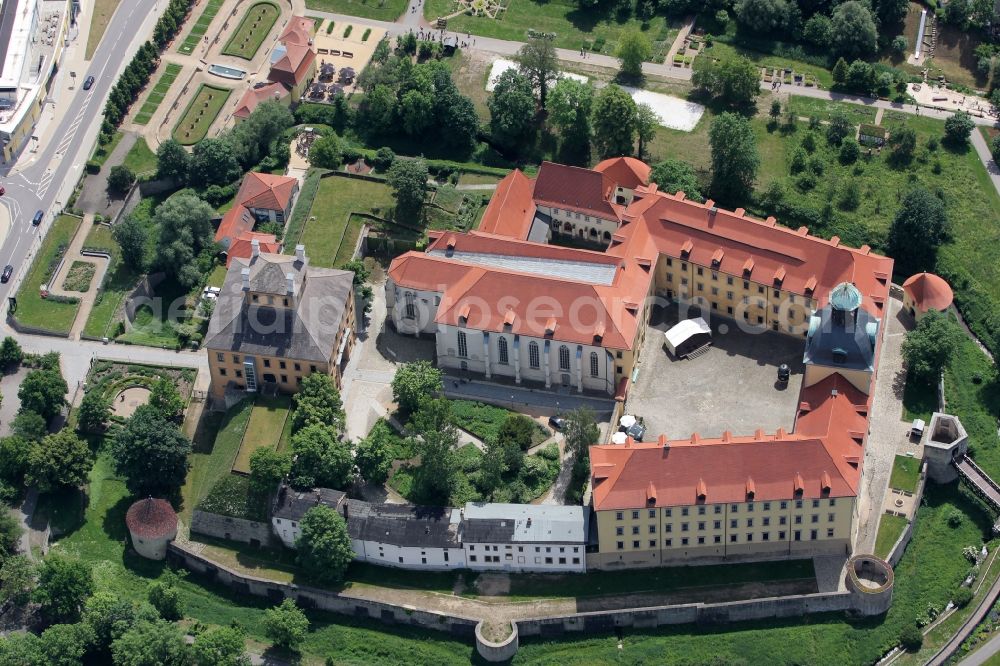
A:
(37, 185)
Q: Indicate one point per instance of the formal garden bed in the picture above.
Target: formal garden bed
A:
(200, 27)
(157, 93)
(201, 112)
(52, 313)
(79, 276)
(253, 29)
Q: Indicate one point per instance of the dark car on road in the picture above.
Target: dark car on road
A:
(557, 422)
(7, 271)
(87, 82)
(37, 219)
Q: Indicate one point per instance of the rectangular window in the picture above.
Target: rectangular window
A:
(734, 508)
(684, 527)
(782, 520)
(798, 535)
(619, 531)
(829, 533)
(781, 536)
(701, 271)
(635, 544)
(635, 515)
(220, 357)
(701, 526)
(239, 374)
(701, 541)
(463, 345)
(766, 536)
(594, 369)
(668, 543)
(312, 368)
(236, 358)
(282, 365)
(652, 543)
(533, 357)
(669, 527)
(830, 517)
(298, 367)
(718, 509)
(701, 511)
(472, 558)
(733, 524)
(222, 372)
(267, 363)
(749, 537)
(652, 513)
(684, 541)
(798, 504)
(732, 538)
(619, 515)
(815, 504)
(833, 501)
(729, 280)
(798, 520)
(767, 506)
(718, 538)
(668, 512)
(652, 529)
(812, 535)
(717, 525)
(766, 521)
(750, 507)
(749, 522)
(635, 529)
(815, 518)
(684, 511)
(284, 379)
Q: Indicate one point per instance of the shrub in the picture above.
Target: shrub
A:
(329, 28)
(347, 31)
(962, 596)
(93, 167)
(366, 35)
(911, 638)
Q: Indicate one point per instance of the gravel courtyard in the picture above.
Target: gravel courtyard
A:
(732, 387)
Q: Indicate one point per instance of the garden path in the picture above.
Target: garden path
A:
(87, 298)
(94, 197)
(681, 36)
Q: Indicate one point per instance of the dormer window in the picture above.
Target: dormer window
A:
(839, 355)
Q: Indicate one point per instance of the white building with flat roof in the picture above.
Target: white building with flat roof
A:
(525, 537)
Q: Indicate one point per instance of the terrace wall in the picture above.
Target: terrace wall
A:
(232, 529)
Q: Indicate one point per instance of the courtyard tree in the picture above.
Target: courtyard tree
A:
(120, 179)
(537, 61)
(674, 176)
(928, 348)
(43, 392)
(257, 136)
(221, 646)
(408, 180)
(145, 643)
(151, 452)
(94, 412)
(173, 162)
(10, 353)
(373, 455)
(734, 81)
(323, 548)
(64, 584)
(131, 236)
(633, 50)
(319, 458)
(581, 431)
(326, 152)
(29, 426)
(512, 111)
(517, 429)
(435, 438)
(318, 403)
(917, 231)
(267, 469)
(213, 162)
(614, 121)
(165, 398)
(646, 124)
(413, 382)
(286, 625)
(60, 460)
(186, 236)
(852, 30)
(957, 128)
(735, 158)
(569, 106)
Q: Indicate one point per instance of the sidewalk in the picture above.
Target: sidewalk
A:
(525, 400)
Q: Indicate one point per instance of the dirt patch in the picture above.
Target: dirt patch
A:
(79, 276)
(129, 400)
(495, 630)
(493, 585)
(469, 71)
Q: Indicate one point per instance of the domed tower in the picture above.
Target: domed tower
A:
(152, 524)
(924, 292)
(841, 339)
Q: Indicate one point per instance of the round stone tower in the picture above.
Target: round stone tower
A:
(870, 580)
(152, 524)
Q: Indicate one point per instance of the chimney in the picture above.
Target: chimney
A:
(529, 521)
(300, 254)
(290, 277)
(245, 274)
(254, 248)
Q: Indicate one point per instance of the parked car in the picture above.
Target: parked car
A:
(636, 431)
(37, 219)
(3, 191)
(557, 422)
(88, 82)
(784, 372)
(8, 270)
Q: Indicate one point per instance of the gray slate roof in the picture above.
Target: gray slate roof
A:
(848, 343)
(403, 524)
(524, 523)
(293, 504)
(308, 332)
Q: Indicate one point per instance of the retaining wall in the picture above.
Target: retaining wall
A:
(143, 294)
(898, 548)
(232, 529)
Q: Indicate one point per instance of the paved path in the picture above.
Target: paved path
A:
(24, 515)
(87, 298)
(681, 36)
(523, 399)
(94, 197)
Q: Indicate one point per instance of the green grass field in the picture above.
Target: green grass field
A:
(889, 528)
(200, 27)
(102, 10)
(140, 159)
(200, 114)
(118, 281)
(79, 276)
(381, 10)
(215, 447)
(157, 93)
(267, 422)
(726, 46)
(32, 309)
(331, 230)
(905, 474)
(260, 17)
(103, 151)
(972, 395)
(596, 28)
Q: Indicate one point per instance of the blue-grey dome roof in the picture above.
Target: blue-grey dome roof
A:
(845, 296)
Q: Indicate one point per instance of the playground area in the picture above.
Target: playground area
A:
(944, 98)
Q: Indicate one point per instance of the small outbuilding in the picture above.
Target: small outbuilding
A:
(688, 336)
(152, 524)
(925, 291)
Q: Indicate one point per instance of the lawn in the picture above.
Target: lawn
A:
(807, 107)
(890, 526)
(46, 313)
(200, 27)
(252, 31)
(103, 11)
(955, 58)
(118, 281)
(217, 276)
(905, 474)
(382, 10)
(920, 399)
(102, 151)
(140, 159)
(484, 421)
(334, 227)
(267, 422)
(155, 325)
(477, 179)
(973, 395)
(200, 114)
(594, 28)
(79, 276)
(216, 444)
(158, 93)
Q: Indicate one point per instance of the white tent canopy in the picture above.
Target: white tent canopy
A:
(618, 438)
(685, 330)
(627, 421)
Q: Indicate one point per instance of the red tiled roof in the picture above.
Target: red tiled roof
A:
(242, 247)
(254, 96)
(292, 67)
(258, 190)
(929, 292)
(298, 31)
(575, 188)
(512, 207)
(625, 171)
(151, 519)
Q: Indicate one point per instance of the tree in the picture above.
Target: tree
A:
(839, 72)
(324, 547)
(902, 143)
(150, 452)
(911, 638)
(318, 403)
(929, 347)
(512, 111)
(537, 61)
(958, 127)
(676, 176)
(213, 162)
(29, 426)
(994, 151)
(379, 109)
(165, 398)
(63, 586)
(918, 230)
(61, 460)
(185, 223)
(569, 106)
(413, 382)
(734, 157)
(158, 643)
(734, 81)
(131, 236)
(10, 353)
(267, 469)
(840, 128)
(257, 136)
(646, 123)
(889, 13)
(221, 646)
(64, 644)
(581, 431)
(614, 121)
(957, 14)
(43, 392)
(457, 119)
(94, 411)
(517, 429)
(173, 162)
(319, 459)
(286, 625)
(633, 50)
(768, 17)
(408, 180)
(900, 45)
(373, 455)
(852, 30)
(435, 440)
(120, 179)
(109, 616)
(17, 580)
(850, 151)
(326, 152)
(817, 30)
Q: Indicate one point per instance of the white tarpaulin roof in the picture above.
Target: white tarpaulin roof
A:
(627, 421)
(618, 438)
(684, 330)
